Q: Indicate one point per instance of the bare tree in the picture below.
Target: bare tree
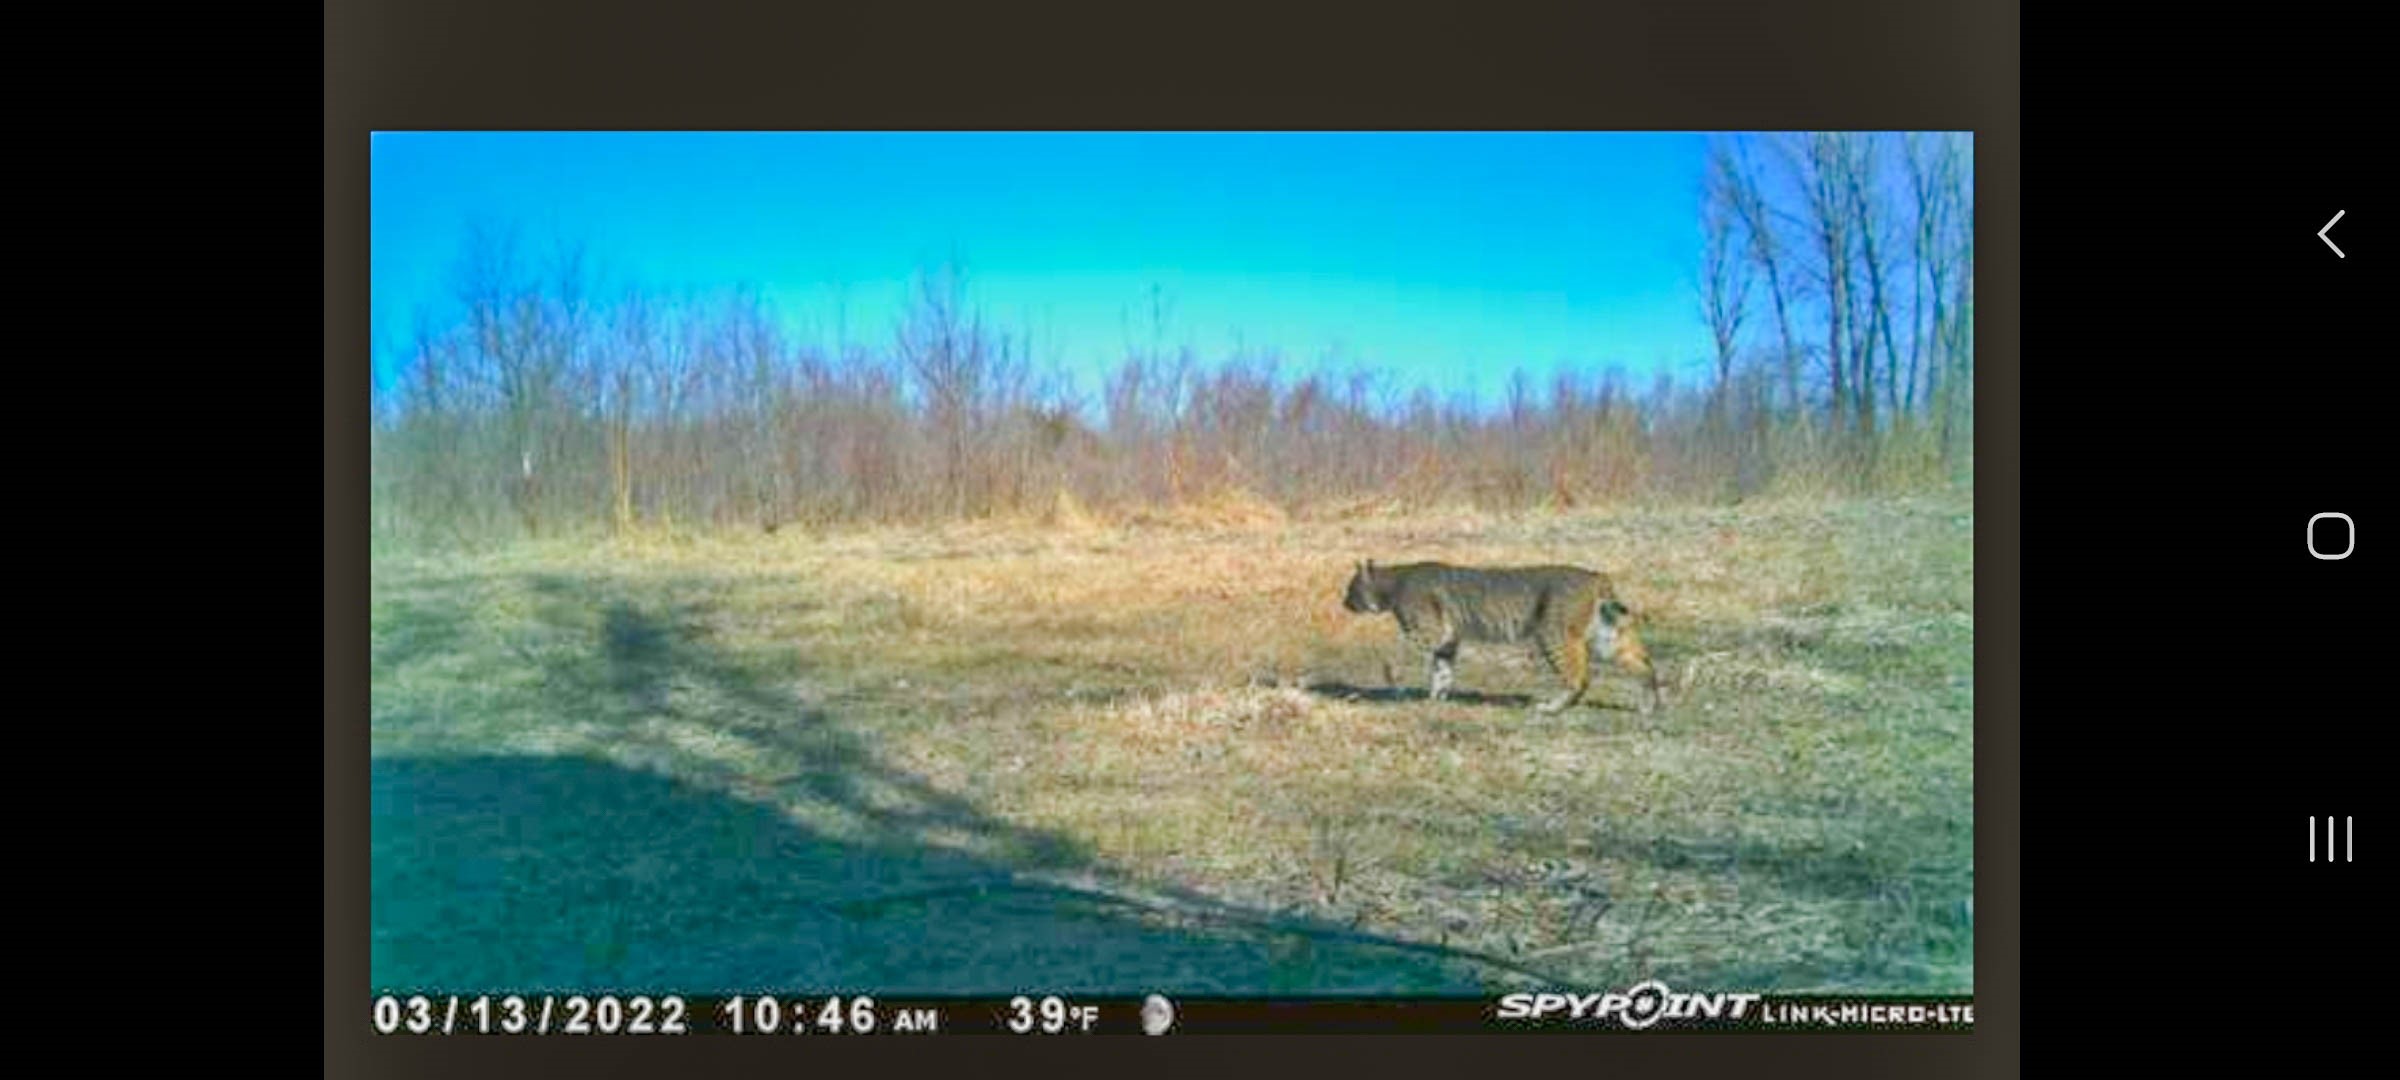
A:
(1923, 157)
(1817, 162)
(1935, 181)
(1960, 346)
(635, 352)
(1739, 187)
(1861, 177)
(1724, 303)
(504, 324)
(1724, 283)
(950, 359)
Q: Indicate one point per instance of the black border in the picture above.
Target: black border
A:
(1697, 65)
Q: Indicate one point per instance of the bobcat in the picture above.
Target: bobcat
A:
(1570, 615)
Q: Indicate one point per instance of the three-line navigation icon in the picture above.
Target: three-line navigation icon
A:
(2345, 849)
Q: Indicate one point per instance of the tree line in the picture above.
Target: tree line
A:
(1811, 245)
(1835, 279)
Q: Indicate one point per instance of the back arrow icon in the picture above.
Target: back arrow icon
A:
(2337, 216)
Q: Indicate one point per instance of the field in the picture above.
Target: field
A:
(1156, 754)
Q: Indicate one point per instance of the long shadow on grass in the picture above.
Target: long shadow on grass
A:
(544, 873)
(715, 832)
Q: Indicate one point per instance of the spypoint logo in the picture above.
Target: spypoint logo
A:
(1646, 1004)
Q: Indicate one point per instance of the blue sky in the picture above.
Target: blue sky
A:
(1444, 259)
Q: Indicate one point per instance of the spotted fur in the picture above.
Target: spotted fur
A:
(1570, 616)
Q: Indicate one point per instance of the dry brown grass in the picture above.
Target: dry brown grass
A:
(1181, 701)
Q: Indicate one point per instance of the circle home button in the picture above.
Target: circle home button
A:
(2322, 538)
